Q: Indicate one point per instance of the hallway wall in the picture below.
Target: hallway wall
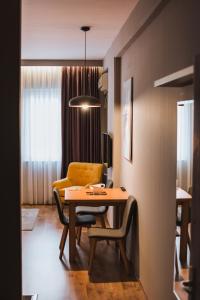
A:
(157, 39)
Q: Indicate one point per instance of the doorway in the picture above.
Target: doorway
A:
(185, 132)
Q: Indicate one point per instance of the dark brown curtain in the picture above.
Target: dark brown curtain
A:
(81, 129)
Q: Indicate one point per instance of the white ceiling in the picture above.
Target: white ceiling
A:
(50, 28)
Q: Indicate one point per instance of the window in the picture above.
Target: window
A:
(41, 114)
(185, 111)
(40, 133)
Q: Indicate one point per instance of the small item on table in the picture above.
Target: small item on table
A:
(97, 193)
(97, 189)
(123, 188)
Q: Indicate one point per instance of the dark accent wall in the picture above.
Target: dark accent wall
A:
(10, 233)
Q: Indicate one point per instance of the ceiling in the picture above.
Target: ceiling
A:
(51, 28)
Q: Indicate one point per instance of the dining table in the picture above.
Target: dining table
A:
(87, 197)
(183, 199)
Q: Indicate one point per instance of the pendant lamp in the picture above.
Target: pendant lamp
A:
(84, 101)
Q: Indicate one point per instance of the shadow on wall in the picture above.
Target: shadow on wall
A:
(132, 244)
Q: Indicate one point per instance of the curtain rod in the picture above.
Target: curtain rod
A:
(60, 62)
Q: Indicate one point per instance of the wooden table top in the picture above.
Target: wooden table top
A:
(112, 195)
(182, 195)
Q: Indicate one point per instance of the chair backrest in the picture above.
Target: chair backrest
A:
(109, 184)
(131, 205)
(59, 206)
(190, 190)
(81, 173)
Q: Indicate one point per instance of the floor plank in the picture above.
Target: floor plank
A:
(184, 273)
(182, 294)
(46, 275)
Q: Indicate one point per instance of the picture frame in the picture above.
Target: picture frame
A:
(127, 119)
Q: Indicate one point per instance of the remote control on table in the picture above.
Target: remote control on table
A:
(122, 188)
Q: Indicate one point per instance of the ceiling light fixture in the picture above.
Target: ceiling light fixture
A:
(84, 101)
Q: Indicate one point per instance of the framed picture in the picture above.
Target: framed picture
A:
(127, 118)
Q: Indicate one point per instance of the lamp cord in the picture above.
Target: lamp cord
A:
(85, 67)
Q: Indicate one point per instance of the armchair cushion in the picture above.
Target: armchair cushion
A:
(62, 183)
(83, 174)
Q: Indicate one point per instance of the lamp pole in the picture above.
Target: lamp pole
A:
(85, 29)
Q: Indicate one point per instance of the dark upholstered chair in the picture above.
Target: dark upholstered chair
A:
(97, 234)
(81, 221)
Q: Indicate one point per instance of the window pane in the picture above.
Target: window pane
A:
(41, 115)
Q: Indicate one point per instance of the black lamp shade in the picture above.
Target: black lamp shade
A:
(84, 102)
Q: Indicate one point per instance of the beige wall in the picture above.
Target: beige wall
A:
(156, 40)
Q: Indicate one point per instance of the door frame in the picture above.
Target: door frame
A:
(195, 225)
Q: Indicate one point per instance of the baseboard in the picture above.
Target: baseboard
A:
(30, 297)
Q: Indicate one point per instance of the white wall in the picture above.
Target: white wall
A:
(164, 45)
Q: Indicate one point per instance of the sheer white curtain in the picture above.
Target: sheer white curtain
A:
(40, 133)
(185, 121)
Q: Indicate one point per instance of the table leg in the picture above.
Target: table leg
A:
(184, 234)
(72, 232)
(116, 221)
(116, 216)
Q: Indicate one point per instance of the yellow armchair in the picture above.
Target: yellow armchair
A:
(79, 174)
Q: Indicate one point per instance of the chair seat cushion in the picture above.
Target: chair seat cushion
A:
(82, 210)
(105, 233)
(85, 220)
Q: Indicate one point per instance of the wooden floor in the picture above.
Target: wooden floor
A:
(183, 295)
(45, 274)
(184, 273)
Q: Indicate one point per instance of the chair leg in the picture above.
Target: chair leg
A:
(92, 253)
(123, 254)
(176, 265)
(79, 235)
(61, 240)
(66, 228)
(189, 241)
